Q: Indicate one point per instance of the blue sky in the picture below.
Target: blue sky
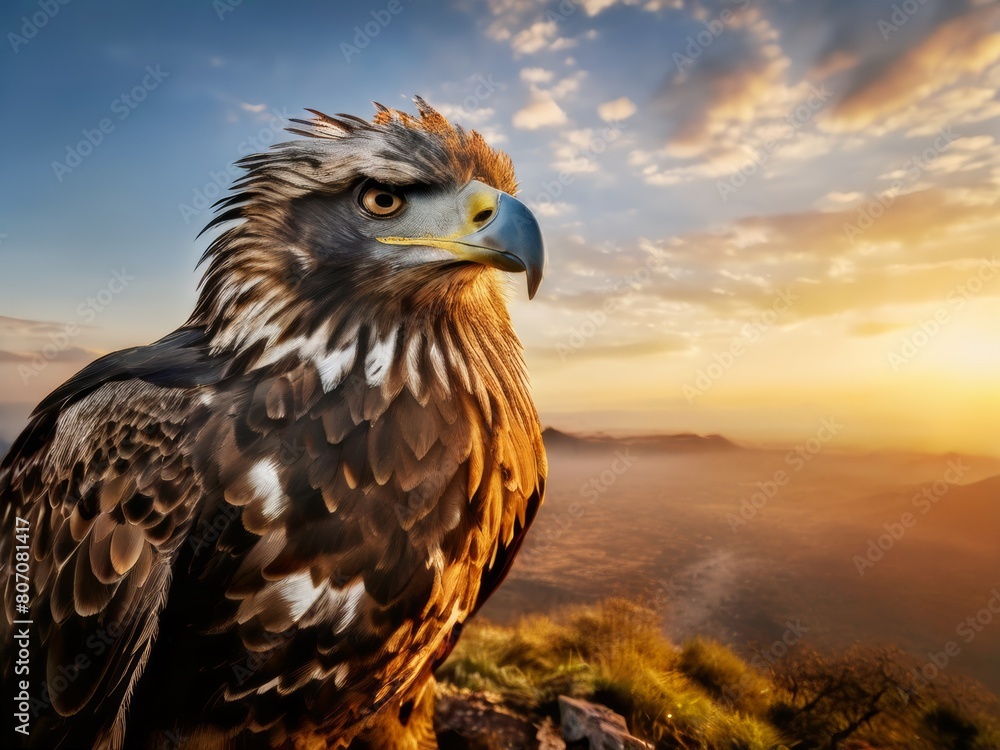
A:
(629, 123)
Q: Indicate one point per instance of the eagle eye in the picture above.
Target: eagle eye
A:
(380, 201)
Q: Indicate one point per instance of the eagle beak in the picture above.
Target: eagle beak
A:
(510, 240)
(499, 231)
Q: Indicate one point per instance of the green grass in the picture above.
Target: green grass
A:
(613, 653)
(703, 696)
(726, 677)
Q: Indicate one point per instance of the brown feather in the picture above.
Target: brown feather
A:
(126, 546)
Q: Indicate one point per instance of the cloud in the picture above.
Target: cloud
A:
(868, 328)
(569, 85)
(551, 208)
(594, 7)
(733, 93)
(726, 89)
(892, 64)
(508, 14)
(69, 354)
(255, 108)
(668, 343)
(492, 135)
(536, 75)
(543, 109)
(921, 247)
(573, 151)
(28, 342)
(836, 200)
(463, 115)
(23, 327)
(541, 112)
(925, 246)
(616, 110)
(535, 38)
(530, 27)
(562, 43)
(638, 157)
(959, 47)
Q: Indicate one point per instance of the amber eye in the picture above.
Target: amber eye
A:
(380, 201)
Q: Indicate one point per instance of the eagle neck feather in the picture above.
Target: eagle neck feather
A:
(467, 343)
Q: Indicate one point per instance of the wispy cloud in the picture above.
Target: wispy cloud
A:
(959, 47)
(22, 327)
(69, 354)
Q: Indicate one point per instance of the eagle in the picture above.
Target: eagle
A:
(266, 529)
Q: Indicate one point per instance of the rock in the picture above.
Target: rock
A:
(465, 720)
(549, 737)
(601, 727)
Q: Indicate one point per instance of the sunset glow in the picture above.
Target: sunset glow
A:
(758, 214)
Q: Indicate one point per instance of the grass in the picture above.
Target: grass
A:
(615, 654)
(703, 696)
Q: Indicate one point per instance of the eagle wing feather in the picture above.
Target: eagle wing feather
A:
(107, 502)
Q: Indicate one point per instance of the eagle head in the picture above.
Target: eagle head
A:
(401, 214)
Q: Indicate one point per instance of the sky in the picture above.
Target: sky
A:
(759, 214)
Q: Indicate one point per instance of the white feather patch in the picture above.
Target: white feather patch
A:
(379, 358)
(270, 685)
(266, 484)
(299, 593)
(436, 357)
(350, 598)
(302, 345)
(340, 675)
(411, 355)
(334, 366)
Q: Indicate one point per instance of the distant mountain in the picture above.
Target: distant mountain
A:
(683, 442)
(968, 513)
(554, 438)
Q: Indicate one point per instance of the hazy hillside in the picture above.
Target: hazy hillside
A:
(677, 527)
